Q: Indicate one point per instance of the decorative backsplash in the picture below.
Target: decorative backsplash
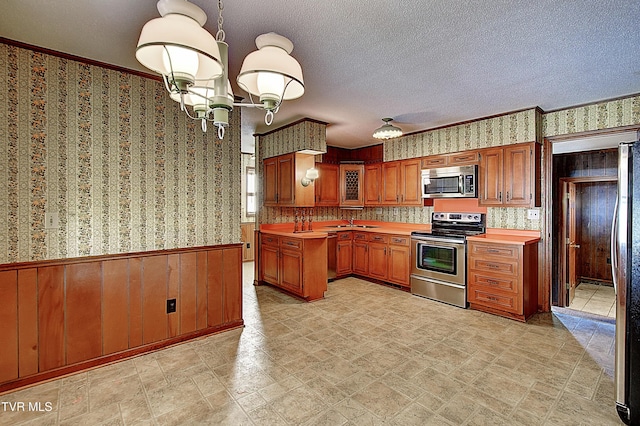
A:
(598, 116)
(112, 154)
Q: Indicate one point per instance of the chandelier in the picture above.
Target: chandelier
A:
(387, 130)
(194, 65)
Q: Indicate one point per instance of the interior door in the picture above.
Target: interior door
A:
(572, 246)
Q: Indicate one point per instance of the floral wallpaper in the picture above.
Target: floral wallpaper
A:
(114, 157)
(598, 116)
(517, 127)
(306, 134)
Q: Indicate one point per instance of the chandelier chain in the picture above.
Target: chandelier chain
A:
(220, 35)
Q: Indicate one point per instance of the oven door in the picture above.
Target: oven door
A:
(439, 259)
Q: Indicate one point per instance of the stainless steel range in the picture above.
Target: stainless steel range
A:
(438, 269)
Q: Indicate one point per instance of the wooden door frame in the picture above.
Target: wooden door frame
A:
(563, 267)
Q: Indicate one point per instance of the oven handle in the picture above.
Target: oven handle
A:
(438, 240)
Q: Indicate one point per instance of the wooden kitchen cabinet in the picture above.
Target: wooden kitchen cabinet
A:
(296, 265)
(327, 186)
(344, 256)
(281, 181)
(399, 260)
(463, 158)
(510, 176)
(351, 185)
(378, 260)
(503, 278)
(360, 253)
(401, 182)
(372, 184)
(434, 161)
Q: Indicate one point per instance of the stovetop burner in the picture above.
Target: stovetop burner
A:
(454, 225)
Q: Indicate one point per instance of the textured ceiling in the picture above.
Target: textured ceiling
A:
(425, 63)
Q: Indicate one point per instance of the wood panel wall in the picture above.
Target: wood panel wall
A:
(66, 315)
(368, 154)
(595, 203)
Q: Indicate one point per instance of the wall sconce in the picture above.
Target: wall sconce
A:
(312, 174)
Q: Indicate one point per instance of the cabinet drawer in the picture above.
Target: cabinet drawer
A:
(434, 161)
(342, 236)
(379, 238)
(495, 266)
(399, 240)
(463, 158)
(360, 236)
(496, 300)
(270, 240)
(500, 282)
(504, 251)
(291, 243)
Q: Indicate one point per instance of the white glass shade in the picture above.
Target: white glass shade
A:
(387, 131)
(312, 173)
(270, 84)
(185, 33)
(182, 61)
(272, 56)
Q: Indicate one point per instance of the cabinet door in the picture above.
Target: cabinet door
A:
(327, 185)
(391, 183)
(517, 175)
(434, 161)
(360, 258)
(270, 181)
(491, 177)
(269, 260)
(344, 258)
(463, 158)
(351, 182)
(378, 261)
(399, 266)
(372, 184)
(286, 179)
(410, 176)
(291, 270)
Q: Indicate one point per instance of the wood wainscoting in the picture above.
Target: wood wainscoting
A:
(62, 316)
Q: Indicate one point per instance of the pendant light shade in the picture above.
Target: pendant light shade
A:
(177, 46)
(387, 130)
(270, 72)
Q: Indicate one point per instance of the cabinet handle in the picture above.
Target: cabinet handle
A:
(493, 299)
(385, 250)
(507, 196)
(493, 266)
(493, 251)
(468, 157)
(492, 282)
(378, 197)
(500, 197)
(397, 198)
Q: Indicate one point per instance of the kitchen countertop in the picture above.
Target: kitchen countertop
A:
(505, 237)
(322, 229)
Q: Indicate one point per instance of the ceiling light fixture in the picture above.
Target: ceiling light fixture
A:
(387, 130)
(194, 65)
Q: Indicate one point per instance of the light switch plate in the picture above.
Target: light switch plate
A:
(396, 211)
(533, 214)
(51, 220)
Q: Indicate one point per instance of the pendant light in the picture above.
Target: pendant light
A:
(194, 65)
(387, 130)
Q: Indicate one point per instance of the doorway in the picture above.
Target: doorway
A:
(585, 242)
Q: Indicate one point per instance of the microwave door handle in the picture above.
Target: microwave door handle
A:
(461, 184)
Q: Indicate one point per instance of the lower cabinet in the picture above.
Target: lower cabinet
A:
(503, 278)
(296, 265)
(382, 257)
(344, 255)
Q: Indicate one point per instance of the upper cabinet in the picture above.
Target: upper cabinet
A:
(351, 185)
(281, 180)
(463, 158)
(510, 176)
(327, 185)
(401, 182)
(372, 184)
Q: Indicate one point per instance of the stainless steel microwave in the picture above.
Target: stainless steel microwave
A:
(450, 182)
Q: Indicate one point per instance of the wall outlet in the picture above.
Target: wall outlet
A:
(396, 211)
(533, 214)
(378, 210)
(51, 220)
(171, 305)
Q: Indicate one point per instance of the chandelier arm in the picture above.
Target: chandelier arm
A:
(220, 35)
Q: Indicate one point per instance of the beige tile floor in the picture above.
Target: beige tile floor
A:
(595, 299)
(365, 355)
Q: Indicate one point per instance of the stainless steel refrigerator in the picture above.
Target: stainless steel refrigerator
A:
(625, 247)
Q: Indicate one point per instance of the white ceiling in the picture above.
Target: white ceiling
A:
(424, 63)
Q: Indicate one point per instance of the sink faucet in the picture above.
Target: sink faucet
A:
(351, 221)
